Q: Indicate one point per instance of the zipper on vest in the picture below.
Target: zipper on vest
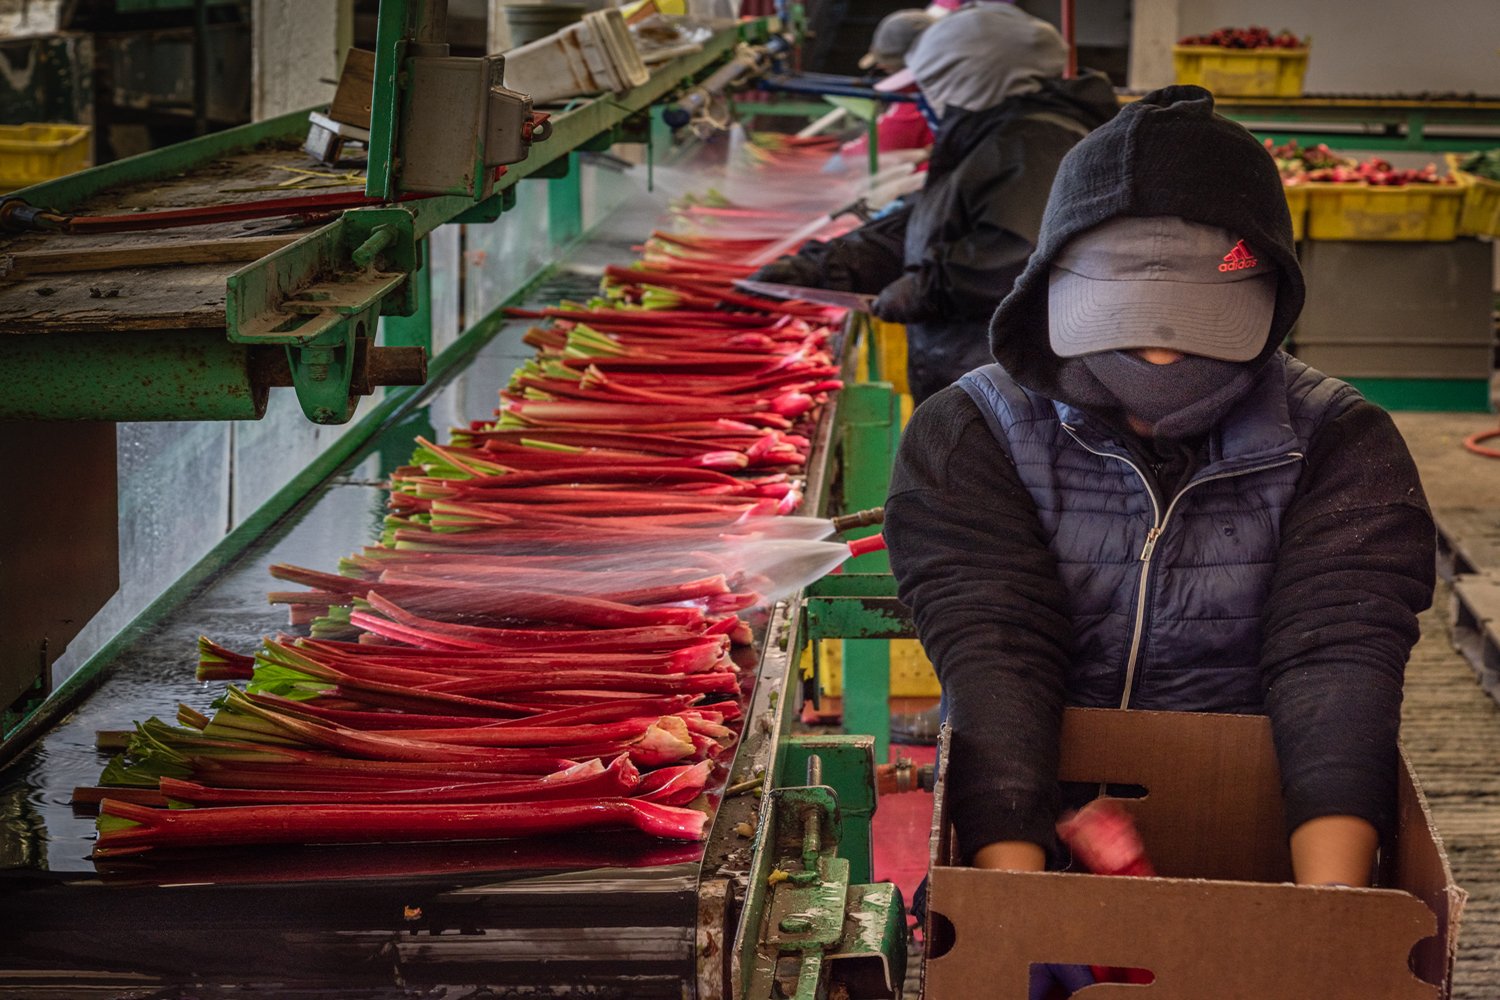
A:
(1158, 521)
(1150, 547)
(1159, 525)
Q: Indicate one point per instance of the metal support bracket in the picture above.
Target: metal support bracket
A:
(848, 766)
(490, 209)
(868, 432)
(320, 298)
(818, 930)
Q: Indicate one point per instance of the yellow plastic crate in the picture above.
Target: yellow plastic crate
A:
(912, 675)
(1296, 203)
(829, 666)
(30, 154)
(1417, 212)
(1241, 72)
(1480, 215)
(890, 339)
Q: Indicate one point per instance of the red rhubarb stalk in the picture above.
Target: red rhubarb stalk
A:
(125, 828)
(581, 781)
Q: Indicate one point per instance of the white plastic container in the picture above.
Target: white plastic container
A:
(595, 55)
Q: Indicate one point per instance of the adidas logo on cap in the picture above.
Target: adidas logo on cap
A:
(1238, 258)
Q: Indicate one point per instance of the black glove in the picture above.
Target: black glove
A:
(900, 302)
(788, 271)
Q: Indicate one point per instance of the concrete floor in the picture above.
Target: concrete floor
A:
(1453, 477)
(1451, 727)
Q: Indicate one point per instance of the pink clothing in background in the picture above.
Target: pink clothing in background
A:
(900, 127)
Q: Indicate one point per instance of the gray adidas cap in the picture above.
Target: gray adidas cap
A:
(1160, 281)
(894, 36)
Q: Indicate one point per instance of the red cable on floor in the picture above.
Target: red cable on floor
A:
(1472, 443)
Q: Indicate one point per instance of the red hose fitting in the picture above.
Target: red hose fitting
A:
(861, 546)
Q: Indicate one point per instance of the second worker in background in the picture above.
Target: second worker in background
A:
(991, 77)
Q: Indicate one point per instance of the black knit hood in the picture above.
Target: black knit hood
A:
(1166, 154)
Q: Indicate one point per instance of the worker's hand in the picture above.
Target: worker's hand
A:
(1334, 850)
(788, 271)
(900, 302)
(1051, 980)
(1011, 855)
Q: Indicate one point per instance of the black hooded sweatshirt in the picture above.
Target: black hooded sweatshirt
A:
(1356, 562)
(954, 248)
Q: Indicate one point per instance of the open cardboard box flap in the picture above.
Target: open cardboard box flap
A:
(1224, 921)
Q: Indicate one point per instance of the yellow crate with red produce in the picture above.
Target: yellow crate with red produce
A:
(1243, 62)
(1293, 163)
(1296, 203)
(1479, 176)
(1366, 200)
(1422, 212)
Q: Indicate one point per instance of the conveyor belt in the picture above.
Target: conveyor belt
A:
(601, 914)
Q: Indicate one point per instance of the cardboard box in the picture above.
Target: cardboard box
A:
(1223, 922)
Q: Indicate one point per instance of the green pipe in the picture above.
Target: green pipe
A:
(164, 375)
(380, 238)
(565, 204)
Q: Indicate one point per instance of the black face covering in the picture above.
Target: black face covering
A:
(1179, 400)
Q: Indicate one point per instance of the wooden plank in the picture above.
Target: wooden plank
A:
(177, 299)
(1451, 730)
(1476, 626)
(236, 249)
(1468, 540)
(356, 89)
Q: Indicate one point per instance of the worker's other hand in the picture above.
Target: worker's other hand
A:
(788, 271)
(1052, 981)
(1011, 855)
(900, 301)
(1334, 850)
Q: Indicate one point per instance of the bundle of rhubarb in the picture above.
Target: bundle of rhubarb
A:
(740, 220)
(540, 641)
(782, 152)
(1319, 164)
(1378, 173)
(1295, 161)
(1481, 163)
(1254, 37)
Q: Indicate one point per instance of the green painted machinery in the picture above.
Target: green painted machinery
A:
(307, 314)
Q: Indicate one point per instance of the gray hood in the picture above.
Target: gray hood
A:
(978, 56)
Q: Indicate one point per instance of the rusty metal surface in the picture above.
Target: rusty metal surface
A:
(714, 938)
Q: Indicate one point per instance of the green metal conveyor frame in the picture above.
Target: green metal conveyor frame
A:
(315, 297)
(1402, 123)
(589, 123)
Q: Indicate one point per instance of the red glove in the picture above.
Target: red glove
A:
(1103, 837)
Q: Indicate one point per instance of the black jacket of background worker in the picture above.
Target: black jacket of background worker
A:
(943, 262)
(1351, 541)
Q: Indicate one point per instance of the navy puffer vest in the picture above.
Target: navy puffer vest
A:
(1166, 593)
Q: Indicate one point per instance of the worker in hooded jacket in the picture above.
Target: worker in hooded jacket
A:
(902, 125)
(1147, 504)
(990, 77)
